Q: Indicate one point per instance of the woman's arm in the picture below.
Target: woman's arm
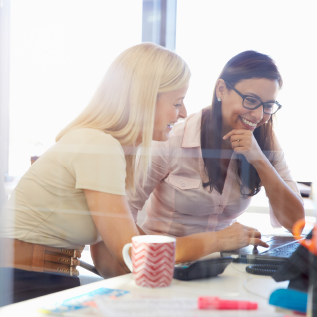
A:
(188, 248)
(105, 263)
(116, 226)
(156, 172)
(197, 245)
(286, 205)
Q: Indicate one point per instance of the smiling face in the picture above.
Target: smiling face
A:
(234, 115)
(169, 108)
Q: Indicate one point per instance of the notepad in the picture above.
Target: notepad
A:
(81, 302)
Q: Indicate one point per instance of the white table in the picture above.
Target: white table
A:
(233, 284)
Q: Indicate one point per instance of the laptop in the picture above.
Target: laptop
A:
(279, 250)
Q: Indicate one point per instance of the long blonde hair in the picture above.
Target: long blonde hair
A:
(124, 103)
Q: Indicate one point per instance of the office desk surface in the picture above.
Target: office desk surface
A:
(234, 284)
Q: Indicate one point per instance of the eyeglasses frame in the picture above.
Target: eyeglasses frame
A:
(258, 106)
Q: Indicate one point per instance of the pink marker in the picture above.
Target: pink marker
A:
(208, 302)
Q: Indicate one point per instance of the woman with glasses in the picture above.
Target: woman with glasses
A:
(204, 176)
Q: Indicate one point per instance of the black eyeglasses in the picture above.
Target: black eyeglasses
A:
(252, 102)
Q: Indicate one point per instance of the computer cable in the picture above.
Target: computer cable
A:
(247, 280)
(257, 269)
(238, 268)
(262, 269)
(250, 291)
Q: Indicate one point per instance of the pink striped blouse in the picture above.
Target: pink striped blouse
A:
(179, 205)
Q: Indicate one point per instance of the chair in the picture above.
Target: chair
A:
(89, 274)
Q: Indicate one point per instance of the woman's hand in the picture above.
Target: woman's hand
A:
(238, 236)
(243, 142)
(115, 224)
(192, 247)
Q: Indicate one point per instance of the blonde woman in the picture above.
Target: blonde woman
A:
(74, 195)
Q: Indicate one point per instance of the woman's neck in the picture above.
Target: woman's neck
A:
(130, 149)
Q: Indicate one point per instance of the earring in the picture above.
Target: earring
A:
(219, 99)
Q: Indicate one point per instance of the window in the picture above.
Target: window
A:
(60, 50)
(209, 33)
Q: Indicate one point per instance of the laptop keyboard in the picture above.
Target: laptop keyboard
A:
(284, 251)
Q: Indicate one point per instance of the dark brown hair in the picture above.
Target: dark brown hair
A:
(246, 65)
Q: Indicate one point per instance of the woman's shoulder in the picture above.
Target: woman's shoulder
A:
(90, 136)
(191, 122)
(186, 134)
(88, 140)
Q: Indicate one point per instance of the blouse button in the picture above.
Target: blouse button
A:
(220, 205)
(183, 184)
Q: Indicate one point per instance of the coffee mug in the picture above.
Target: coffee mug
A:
(153, 260)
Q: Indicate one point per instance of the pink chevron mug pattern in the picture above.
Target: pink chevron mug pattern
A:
(153, 260)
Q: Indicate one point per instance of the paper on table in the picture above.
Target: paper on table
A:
(84, 302)
(144, 307)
